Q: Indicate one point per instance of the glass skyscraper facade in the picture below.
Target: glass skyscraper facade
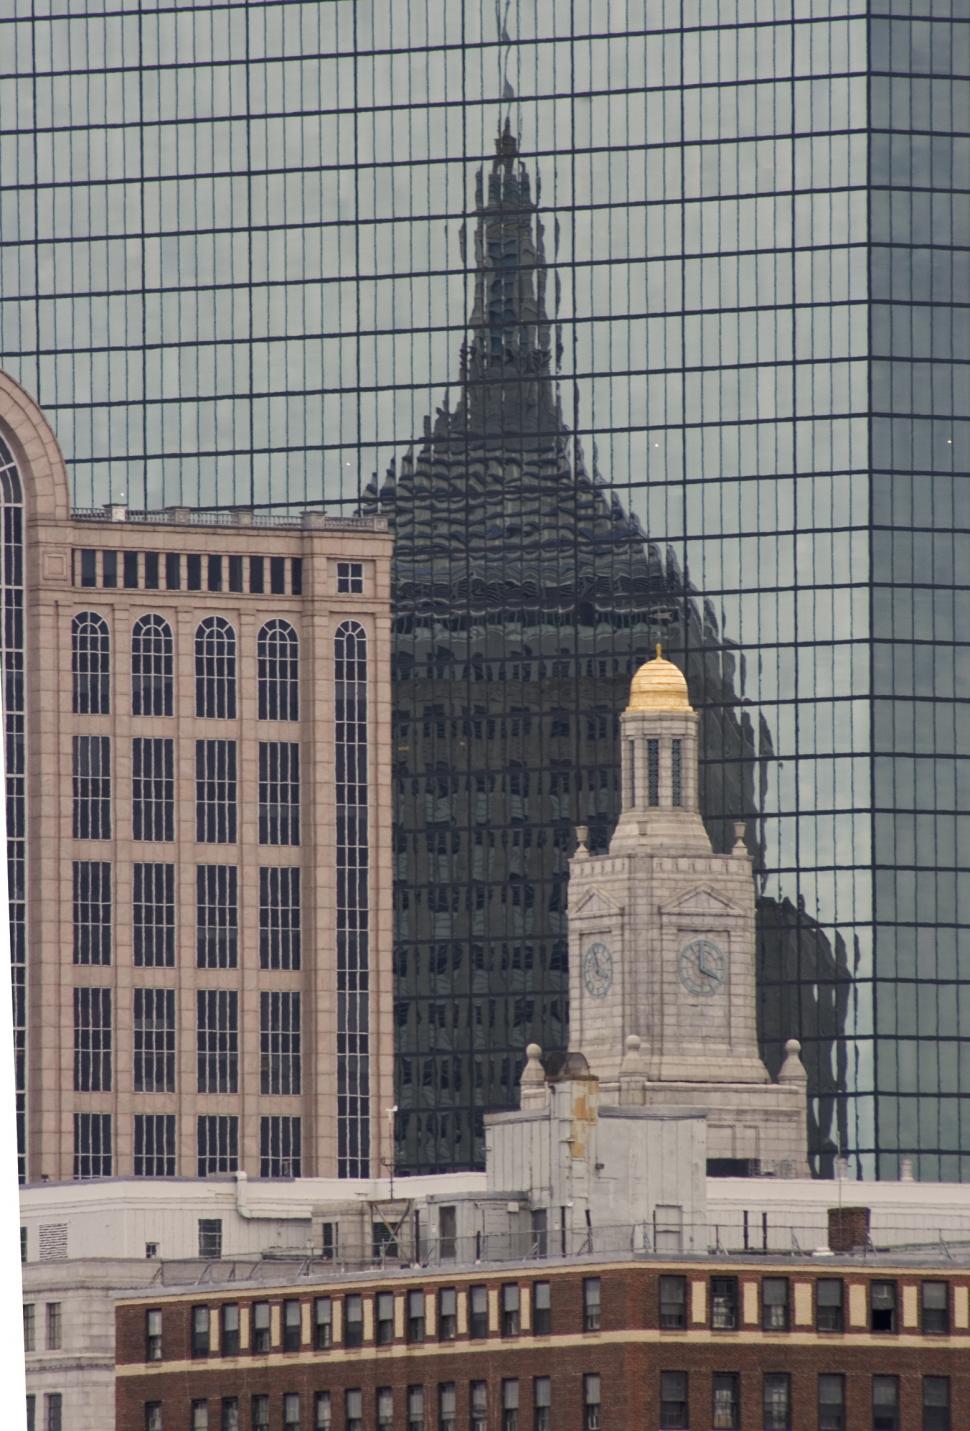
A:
(687, 358)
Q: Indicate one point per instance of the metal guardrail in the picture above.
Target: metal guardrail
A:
(232, 517)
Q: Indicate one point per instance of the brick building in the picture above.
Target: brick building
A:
(848, 1343)
(197, 725)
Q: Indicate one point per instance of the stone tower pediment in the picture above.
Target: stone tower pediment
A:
(702, 901)
(595, 904)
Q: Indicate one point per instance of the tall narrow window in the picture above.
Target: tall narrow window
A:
(92, 912)
(415, 1408)
(542, 1403)
(54, 1407)
(885, 1403)
(153, 788)
(151, 666)
(215, 792)
(153, 915)
(446, 1406)
(510, 1404)
(279, 792)
(510, 1309)
(353, 1083)
(774, 1304)
(936, 1403)
(201, 1318)
(259, 1412)
(92, 788)
(218, 1145)
(478, 1399)
(278, 672)
(831, 1402)
(323, 1412)
(591, 1402)
(280, 1147)
(91, 663)
(215, 669)
(385, 1408)
(935, 1308)
(279, 1042)
(153, 1036)
(777, 1406)
(217, 1035)
(279, 917)
(353, 1320)
(591, 1304)
(92, 1040)
(726, 1401)
(676, 772)
(653, 772)
(674, 1406)
(217, 917)
(92, 1145)
(154, 1145)
(353, 1409)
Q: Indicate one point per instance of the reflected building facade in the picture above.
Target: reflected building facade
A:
(250, 291)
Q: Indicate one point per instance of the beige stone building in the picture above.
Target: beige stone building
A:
(197, 731)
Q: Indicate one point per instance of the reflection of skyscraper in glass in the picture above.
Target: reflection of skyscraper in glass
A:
(524, 597)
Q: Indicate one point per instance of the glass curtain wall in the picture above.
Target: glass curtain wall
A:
(683, 356)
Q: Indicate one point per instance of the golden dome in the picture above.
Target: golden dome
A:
(659, 685)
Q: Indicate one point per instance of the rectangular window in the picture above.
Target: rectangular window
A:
(323, 1420)
(259, 1411)
(277, 575)
(279, 1042)
(591, 1402)
(217, 1039)
(153, 1416)
(296, 576)
(109, 569)
(229, 1329)
(774, 1304)
(353, 1320)
(828, 1305)
(882, 1306)
(210, 1237)
(214, 574)
(200, 1331)
(200, 1415)
(653, 772)
(229, 1417)
(173, 571)
(92, 912)
(256, 575)
(153, 916)
(154, 1145)
(510, 1309)
(510, 1405)
(936, 1403)
(885, 1403)
(447, 1230)
(218, 1144)
(416, 1316)
(676, 772)
(30, 1334)
(384, 1318)
(217, 916)
(215, 792)
(354, 1409)
(673, 1303)
(935, 1308)
(92, 787)
(279, 792)
(447, 1314)
(350, 577)
(92, 1145)
(129, 563)
(776, 1394)
(591, 1304)
(154, 1040)
(153, 788)
(92, 1040)
(292, 1326)
(291, 1411)
(674, 1406)
(322, 1323)
(151, 571)
(280, 1146)
(193, 571)
(724, 1303)
(89, 566)
(726, 1401)
(477, 1312)
(385, 1408)
(831, 1402)
(235, 573)
(54, 1408)
(478, 1405)
(446, 1406)
(542, 1403)
(52, 1316)
(279, 917)
(261, 1327)
(541, 1309)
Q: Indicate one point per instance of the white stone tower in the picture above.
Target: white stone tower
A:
(662, 948)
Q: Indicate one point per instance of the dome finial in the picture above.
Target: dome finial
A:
(660, 651)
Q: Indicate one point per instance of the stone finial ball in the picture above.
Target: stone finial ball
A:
(793, 1046)
(533, 1050)
(633, 1042)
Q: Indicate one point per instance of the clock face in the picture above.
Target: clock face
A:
(598, 970)
(702, 967)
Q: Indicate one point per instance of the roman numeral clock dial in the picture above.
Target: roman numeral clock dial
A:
(598, 970)
(702, 967)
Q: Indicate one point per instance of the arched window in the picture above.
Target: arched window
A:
(278, 662)
(350, 741)
(215, 669)
(151, 666)
(90, 661)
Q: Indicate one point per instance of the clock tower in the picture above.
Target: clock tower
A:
(662, 947)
